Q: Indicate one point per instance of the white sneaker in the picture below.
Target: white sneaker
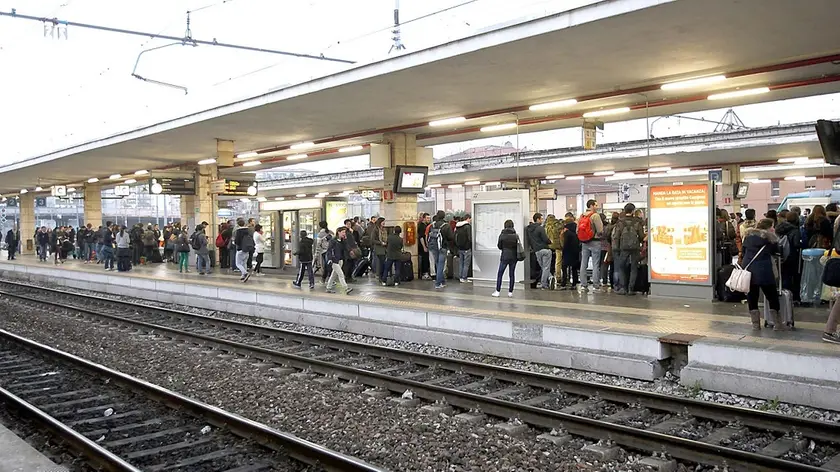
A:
(496, 294)
(510, 294)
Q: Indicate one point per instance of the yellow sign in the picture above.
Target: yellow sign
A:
(679, 233)
(589, 136)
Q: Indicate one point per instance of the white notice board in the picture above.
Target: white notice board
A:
(489, 220)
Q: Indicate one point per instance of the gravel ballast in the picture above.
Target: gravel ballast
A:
(376, 430)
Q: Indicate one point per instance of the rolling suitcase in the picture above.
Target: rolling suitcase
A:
(407, 271)
(785, 304)
(361, 268)
(722, 292)
(642, 282)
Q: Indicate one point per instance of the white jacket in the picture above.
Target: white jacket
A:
(259, 243)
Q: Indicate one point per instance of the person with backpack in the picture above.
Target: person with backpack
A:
(760, 245)
(199, 244)
(571, 255)
(304, 256)
(379, 240)
(554, 231)
(149, 243)
(627, 237)
(790, 248)
(463, 241)
(590, 230)
(244, 242)
(538, 242)
(438, 246)
(182, 245)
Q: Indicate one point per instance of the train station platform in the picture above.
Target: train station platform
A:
(18, 456)
(707, 344)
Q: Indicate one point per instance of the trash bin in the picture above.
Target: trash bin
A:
(811, 275)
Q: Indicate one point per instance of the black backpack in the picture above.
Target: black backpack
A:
(194, 242)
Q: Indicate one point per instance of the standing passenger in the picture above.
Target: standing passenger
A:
(259, 249)
(463, 240)
(438, 244)
(627, 237)
(244, 242)
(123, 241)
(760, 246)
(108, 246)
(11, 244)
(321, 246)
(590, 230)
(539, 242)
(509, 245)
(393, 257)
(304, 255)
(43, 240)
(571, 254)
(423, 248)
(182, 245)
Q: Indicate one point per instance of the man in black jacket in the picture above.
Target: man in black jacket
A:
(304, 255)
(463, 241)
(244, 245)
(539, 246)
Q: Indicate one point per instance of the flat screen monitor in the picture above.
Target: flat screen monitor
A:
(410, 179)
(829, 134)
(741, 189)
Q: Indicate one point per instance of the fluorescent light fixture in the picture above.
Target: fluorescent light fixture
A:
(23, 190)
(141, 172)
(301, 195)
(39, 189)
(808, 179)
(606, 112)
(555, 177)
(279, 199)
(115, 177)
(739, 93)
(305, 145)
(492, 184)
(678, 171)
(623, 175)
(795, 177)
(433, 186)
(448, 121)
(759, 181)
(604, 173)
(455, 186)
(574, 177)
(205, 162)
(295, 157)
(261, 199)
(553, 105)
(351, 148)
(321, 195)
(71, 190)
(129, 181)
(677, 183)
(93, 180)
(245, 200)
(690, 83)
(659, 169)
(251, 163)
(629, 176)
(499, 127)
(792, 160)
(472, 182)
(245, 155)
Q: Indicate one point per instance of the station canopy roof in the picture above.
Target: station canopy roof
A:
(605, 55)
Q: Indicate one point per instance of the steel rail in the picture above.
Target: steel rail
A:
(702, 409)
(627, 436)
(297, 448)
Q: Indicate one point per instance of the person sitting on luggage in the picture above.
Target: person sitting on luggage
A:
(760, 245)
(393, 257)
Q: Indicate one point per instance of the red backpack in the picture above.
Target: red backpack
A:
(220, 241)
(585, 232)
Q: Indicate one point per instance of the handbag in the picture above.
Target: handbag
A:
(520, 251)
(740, 279)
(831, 273)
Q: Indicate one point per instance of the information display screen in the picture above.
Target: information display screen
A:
(410, 179)
(170, 186)
(741, 189)
(678, 241)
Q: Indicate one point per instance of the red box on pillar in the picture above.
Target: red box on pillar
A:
(387, 195)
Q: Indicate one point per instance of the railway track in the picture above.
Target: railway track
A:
(687, 429)
(120, 423)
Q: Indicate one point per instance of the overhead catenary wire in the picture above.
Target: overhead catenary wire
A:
(214, 42)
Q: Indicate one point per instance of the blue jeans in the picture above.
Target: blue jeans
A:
(439, 256)
(42, 251)
(465, 258)
(204, 263)
(232, 252)
(108, 256)
(99, 252)
(544, 261)
(511, 268)
(593, 249)
(386, 270)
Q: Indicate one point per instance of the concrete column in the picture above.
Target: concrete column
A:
(727, 190)
(404, 207)
(203, 206)
(27, 223)
(93, 205)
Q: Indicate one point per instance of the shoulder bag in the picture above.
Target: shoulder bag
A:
(520, 251)
(740, 279)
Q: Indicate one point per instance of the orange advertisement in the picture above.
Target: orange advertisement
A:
(679, 233)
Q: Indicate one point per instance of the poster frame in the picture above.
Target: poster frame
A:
(710, 221)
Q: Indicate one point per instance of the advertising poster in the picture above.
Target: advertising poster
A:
(678, 241)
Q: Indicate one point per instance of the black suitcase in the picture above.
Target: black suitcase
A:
(156, 256)
(722, 292)
(642, 282)
(407, 271)
(362, 266)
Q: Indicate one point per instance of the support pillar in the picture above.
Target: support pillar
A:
(26, 206)
(203, 206)
(403, 208)
(93, 205)
(727, 190)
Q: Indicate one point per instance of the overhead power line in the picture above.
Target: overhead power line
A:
(214, 42)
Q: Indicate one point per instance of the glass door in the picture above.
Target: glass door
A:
(267, 221)
(290, 236)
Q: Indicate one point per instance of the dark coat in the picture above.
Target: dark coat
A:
(394, 248)
(304, 251)
(571, 245)
(537, 238)
(818, 228)
(337, 250)
(762, 267)
(508, 245)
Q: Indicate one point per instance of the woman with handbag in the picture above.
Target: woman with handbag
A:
(512, 252)
(760, 245)
(831, 279)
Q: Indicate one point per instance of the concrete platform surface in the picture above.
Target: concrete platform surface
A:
(637, 337)
(16, 455)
